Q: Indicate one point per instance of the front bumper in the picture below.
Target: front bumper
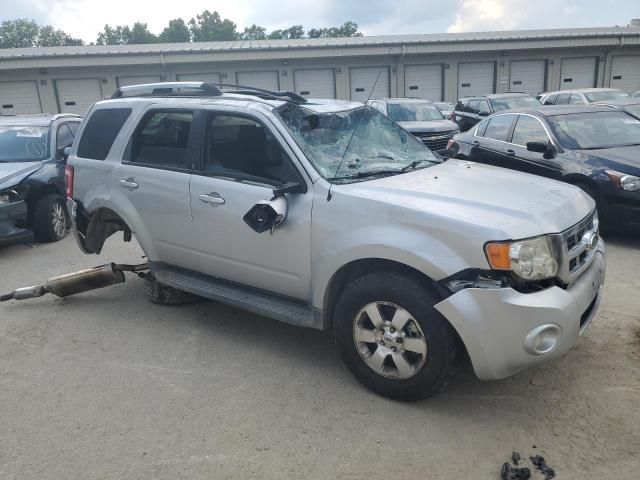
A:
(497, 325)
(12, 215)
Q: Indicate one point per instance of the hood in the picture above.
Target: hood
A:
(429, 126)
(12, 173)
(502, 204)
(623, 156)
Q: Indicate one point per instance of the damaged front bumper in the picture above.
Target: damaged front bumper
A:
(11, 216)
(506, 331)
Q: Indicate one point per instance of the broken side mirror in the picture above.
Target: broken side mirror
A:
(267, 214)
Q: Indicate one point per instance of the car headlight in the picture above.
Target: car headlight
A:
(11, 195)
(530, 259)
(630, 183)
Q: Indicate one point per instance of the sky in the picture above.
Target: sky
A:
(85, 18)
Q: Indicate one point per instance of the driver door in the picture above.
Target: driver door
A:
(242, 160)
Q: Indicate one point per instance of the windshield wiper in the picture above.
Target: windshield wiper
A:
(370, 173)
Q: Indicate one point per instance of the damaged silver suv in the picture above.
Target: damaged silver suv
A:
(326, 214)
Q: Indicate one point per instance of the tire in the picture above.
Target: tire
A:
(161, 294)
(50, 219)
(425, 330)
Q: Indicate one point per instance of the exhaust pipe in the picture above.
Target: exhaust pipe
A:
(77, 282)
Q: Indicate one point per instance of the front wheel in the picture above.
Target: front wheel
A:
(391, 337)
(50, 220)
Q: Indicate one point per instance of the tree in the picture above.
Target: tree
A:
(24, 33)
(347, 29)
(296, 31)
(111, 36)
(176, 32)
(209, 26)
(139, 33)
(254, 32)
(50, 37)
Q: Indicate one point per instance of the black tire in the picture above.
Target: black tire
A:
(159, 293)
(410, 293)
(45, 218)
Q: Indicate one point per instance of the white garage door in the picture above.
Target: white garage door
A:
(476, 78)
(211, 77)
(424, 81)
(363, 80)
(625, 73)
(138, 80)
(315, 83)
(527, 76)
(578, 73)
(264, 80)
(76, 96)
(18, 98)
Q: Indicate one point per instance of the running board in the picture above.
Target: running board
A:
(270, 305)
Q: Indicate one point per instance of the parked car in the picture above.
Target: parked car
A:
(636, 94)
(470, 110)
(445, 107)
(407, 260)
(582, 96)
(629, 105)
(592, 147)
(32, 184)
(420, 117)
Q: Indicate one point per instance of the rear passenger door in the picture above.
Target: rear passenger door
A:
(153, 178)
(529, 129)
(490, 147)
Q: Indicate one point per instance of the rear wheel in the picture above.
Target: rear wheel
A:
(50, 220)
(391, 337)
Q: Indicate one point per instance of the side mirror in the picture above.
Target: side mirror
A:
(267, 214)
(63, 153)
(541, 147)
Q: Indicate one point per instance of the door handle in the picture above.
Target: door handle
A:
(510, 153)
(128, 183)
(212, 198)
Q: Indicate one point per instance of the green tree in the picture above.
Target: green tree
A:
(50, 37)
(208, 26)
(139, 33)
(111, 36)
(254, 32)
(347, 29)
(19, 33)
(296, 31)
(176, 32)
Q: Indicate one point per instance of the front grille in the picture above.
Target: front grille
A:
(580, 243)
(436, 140)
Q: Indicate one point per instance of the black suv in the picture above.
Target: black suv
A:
(470, 110)
(594, 148)
(32, 176)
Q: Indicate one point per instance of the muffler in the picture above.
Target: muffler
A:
(77, 282)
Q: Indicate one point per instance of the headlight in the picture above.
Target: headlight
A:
(630, 183)
(11, 195)
(530, 259)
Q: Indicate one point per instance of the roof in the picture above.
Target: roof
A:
(39, 120)
(403, 100)
(307, 43)
(582, 90)
(553, 110)
(620, 102)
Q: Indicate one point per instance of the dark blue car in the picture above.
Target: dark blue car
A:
(594, 148)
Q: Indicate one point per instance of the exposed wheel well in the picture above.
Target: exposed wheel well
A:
(104, 223)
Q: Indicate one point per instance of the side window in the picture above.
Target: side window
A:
(473, 107)
(575, 99)
(563, 99)
(551, 99)
(162, 138)
(100, 132)
(245, 148)
(64, 137)
(528, 129)
(74, 126)
(482, 126)
(483, 108)
(499, 127)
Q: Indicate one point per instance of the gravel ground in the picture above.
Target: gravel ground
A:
(107, 385)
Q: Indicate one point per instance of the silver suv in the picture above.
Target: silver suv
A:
(326, 214)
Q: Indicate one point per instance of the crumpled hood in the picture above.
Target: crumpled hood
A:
(12, 173)
(430, 126)
(458, 195)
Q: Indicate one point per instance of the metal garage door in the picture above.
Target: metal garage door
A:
(315, 83)
(138, 80)
(76, 96)
(211, 77)
(265, 80)
(363, 80)
(625, 73)
(424, 81)
(527, 76)
(578, 73)
(19, 98)
(478, 78)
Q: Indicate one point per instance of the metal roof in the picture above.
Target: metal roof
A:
(308, 43)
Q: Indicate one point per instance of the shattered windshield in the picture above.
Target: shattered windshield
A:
(23, 143)
(350, 145)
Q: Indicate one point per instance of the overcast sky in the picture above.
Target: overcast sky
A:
(85, 18)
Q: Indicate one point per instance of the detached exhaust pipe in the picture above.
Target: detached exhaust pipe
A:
(78, 282)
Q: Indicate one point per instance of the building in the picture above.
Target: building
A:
(433, 66)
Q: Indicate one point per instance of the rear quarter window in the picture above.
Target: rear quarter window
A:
(101, 130)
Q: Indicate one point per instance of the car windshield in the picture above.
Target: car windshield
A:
(349, 145)
(510, 103)
(20, 143)
(444, 106)
(413, 112)
(593, 130)
(604, 95)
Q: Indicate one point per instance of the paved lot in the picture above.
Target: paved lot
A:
(106, 385)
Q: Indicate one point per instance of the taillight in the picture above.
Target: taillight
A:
(68, 180)
(449, 144)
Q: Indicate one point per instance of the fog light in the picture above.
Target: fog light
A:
(543, 339)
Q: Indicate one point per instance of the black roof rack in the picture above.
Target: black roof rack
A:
(262, 93)
(169, 89)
